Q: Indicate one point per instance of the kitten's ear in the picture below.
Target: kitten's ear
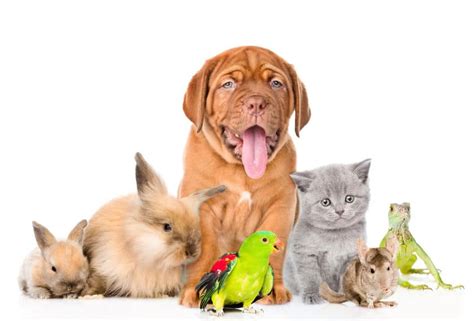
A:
(302, 180)
(362, 250)
(362, 170)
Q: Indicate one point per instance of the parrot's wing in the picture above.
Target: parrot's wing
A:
(267, 282)
(214, 280)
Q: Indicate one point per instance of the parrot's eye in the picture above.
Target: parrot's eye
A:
(372, 271)
(326, 202)
(265, 240)
(167, 227)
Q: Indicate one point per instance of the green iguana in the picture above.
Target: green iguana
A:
(409, 250)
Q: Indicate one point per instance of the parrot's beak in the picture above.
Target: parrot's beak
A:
(278, 246)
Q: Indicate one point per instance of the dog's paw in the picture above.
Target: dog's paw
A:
(189, 298)
(279, 295)
(312, 298)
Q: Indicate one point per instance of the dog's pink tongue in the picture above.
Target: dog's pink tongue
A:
(254, 152)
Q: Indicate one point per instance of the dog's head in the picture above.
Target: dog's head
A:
(242, 101)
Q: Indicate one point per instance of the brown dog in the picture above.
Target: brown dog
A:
(240, 103)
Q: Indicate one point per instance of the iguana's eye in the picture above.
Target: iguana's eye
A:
(326, 202)
(350, 198)
(372, 271)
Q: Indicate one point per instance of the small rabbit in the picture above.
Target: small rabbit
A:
(138, 245)
(57, 269)
(369, 278)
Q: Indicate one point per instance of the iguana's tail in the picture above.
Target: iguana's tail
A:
(331, 296)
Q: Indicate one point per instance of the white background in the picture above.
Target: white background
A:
(86, 84)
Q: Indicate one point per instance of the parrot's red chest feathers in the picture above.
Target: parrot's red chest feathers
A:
(223, 262)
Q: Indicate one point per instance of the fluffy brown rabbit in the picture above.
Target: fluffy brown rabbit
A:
(57, 269)
(138, 245)
(369, 278)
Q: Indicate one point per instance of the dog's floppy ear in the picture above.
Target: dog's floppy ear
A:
(300, 101)
(194, 104)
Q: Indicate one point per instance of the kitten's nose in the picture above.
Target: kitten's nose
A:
(340, 212)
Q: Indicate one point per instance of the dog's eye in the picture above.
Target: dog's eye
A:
(372, 271)
(276, 83)
(228, 84)
(167, 227)
(350, 198)
(326, 202)
(53, 268)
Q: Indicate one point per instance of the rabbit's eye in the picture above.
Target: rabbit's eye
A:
(53, 268)
(326, 202)
(372, 271)
(350, 198)
(167, 227)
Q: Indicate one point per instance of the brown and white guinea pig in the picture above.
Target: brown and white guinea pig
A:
(138, 245)
(369, 278)
(56, 269)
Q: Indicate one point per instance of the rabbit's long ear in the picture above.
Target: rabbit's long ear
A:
(43, 236)
(195, 200)
(77, 233)
(362, 250)
(392, 246)
(146, 177)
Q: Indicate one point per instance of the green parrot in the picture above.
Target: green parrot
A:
(239, 279)
(409, 250)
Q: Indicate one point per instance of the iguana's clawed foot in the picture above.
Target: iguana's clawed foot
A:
(420, 271)
(408, 285)
(215, 313)
(252, 310)
(449, 286)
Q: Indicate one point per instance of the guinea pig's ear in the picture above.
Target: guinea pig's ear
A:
(194, 104)
(147, 179)
(43, 236)
(362, 169)
(392, 246)
(300, 101)
(77, 233)
(195, 200)
(362, 250)
(302, 180)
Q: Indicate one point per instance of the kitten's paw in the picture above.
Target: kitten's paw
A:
(91, 296)
(312, 298)
(189, 298)
(70, 296)
(279, 295)
(252, 310)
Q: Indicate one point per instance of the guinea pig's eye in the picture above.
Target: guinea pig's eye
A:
(167, 227)
(276, 83)
(228, 84)
(265, 240)
(326, 202)
(349, 198)
(53, 268)
(372, 271)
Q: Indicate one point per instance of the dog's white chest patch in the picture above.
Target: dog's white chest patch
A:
(245, 196)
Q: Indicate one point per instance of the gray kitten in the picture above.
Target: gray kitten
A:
(333, 201)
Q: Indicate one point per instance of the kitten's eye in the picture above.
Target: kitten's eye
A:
(372, 271)
(350, 198)
(276, 83)
(167, 227)
(53, 268)
(228, 84)
(326, 202)
(265, 240)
